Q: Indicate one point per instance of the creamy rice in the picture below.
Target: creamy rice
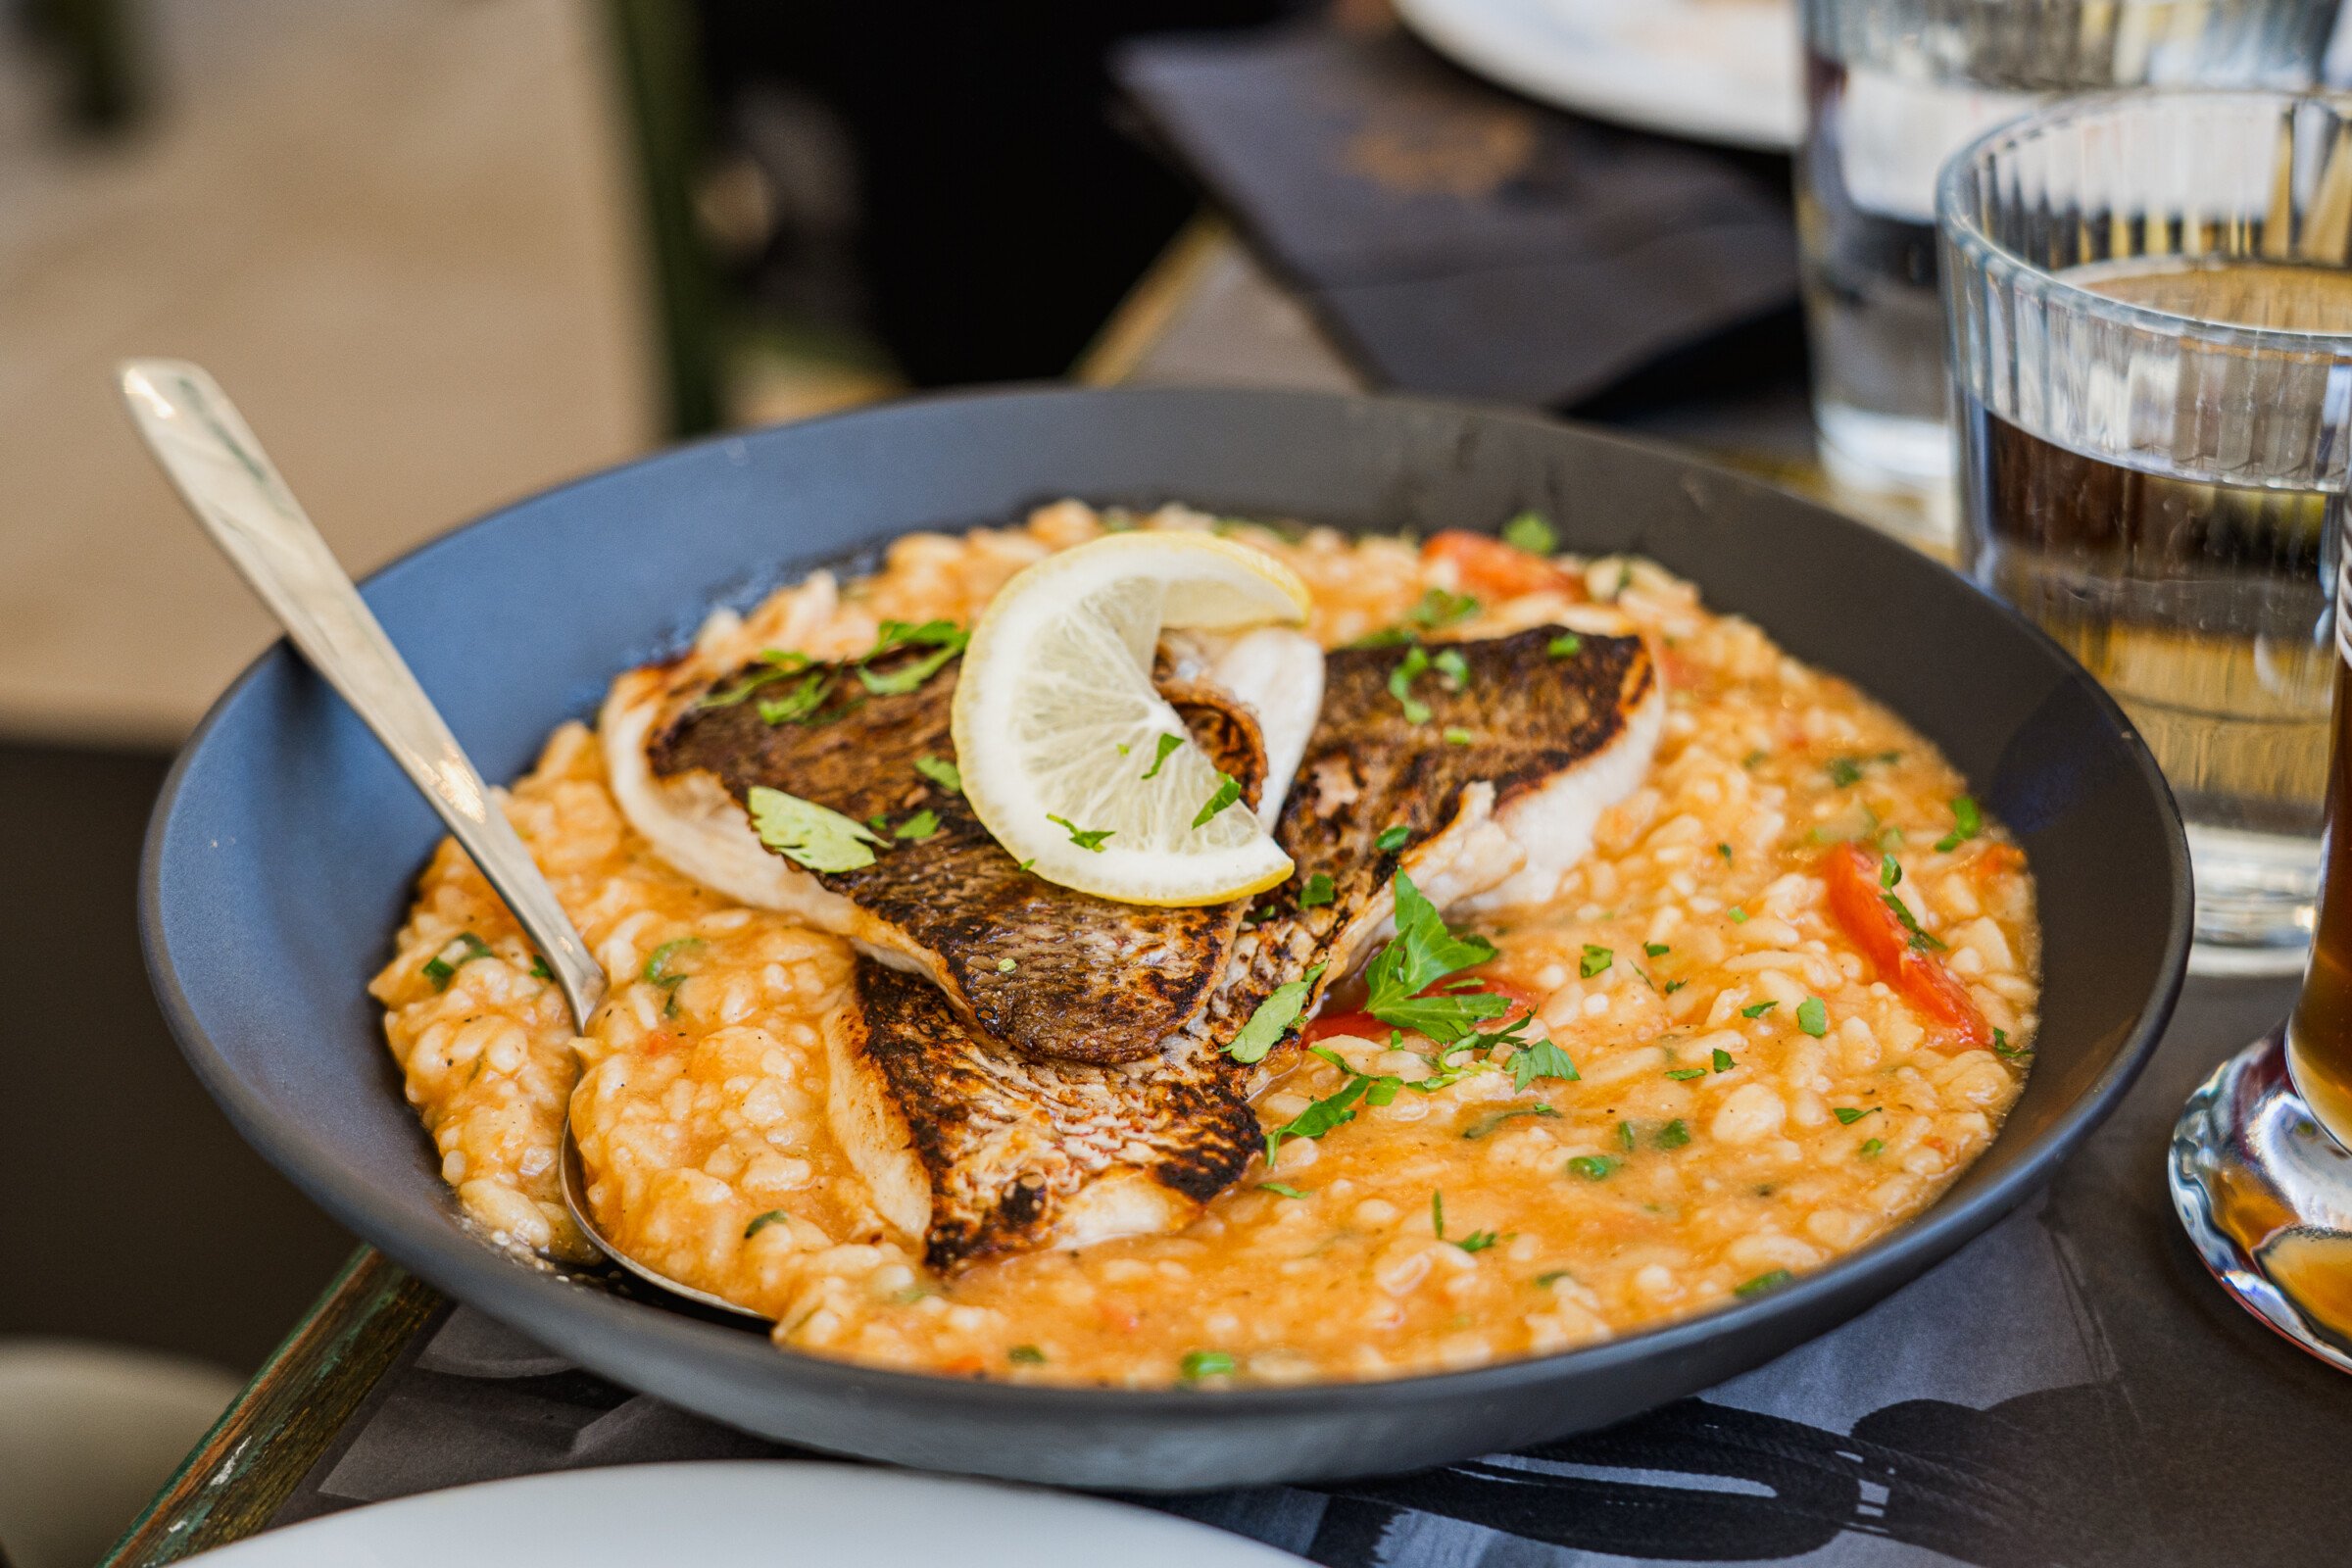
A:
(1753, 1100)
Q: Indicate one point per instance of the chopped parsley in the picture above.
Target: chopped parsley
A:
(1025, 1356)
(1625, 1135)
(921, 827)
(1006, 965)
(1902, 912)
(2002, 1047)
(1724, 850)
(1656, 950)
(801, 704)
(1392, 837)
(1199, 1365)
(1273, 1018)
(1674, 1135)
(1764, 1282)
(1758, 1011)
(1282, 1188)
(1592, 1167)
(774, 1216)
(1722, 1060)
(1739, 915)
(1439, 608)
(1475, 1242)
(1163, 747)
(1423, 952)
(1847, 771)
(1336, 1109)
(808, 834)
(944, 638)
(1455, 735)
(1889, 873)
(1229, 790)
(1847, 1116)
(1871, 1147)
(1596, 961)
(1755, 758)
(1542, 1059)
(1531, 533)
(1672, 986)
(658, 971)
(1410, 668)
(1966, 822)
(441, 968)
(1493, 1119)
(780, 663)
(1813, 1016)
(1451, 668)
(1686, 1074)
(1086, 838)
(1315, 890)
(1478, 1240)
(946, 774)
(1567, 645)
(539, 968)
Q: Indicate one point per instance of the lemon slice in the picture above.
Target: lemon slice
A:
(1059, 728)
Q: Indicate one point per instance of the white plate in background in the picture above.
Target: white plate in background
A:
(743, 1514)
(1720, 70)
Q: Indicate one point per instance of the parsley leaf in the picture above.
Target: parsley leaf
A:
(1844, 771)
(1902, 914)
(1813, 1017)
(1592, 1167)
(1282, 1188)
(1758, 1010)
(1625, 1135)
(780, 664)
(1493, 1119)
(1764, 1282)
(440, 968)
(1422, 953)
(946, 775)
(1006, 965)
(1542, 1059)
(1871, 1146)
(1451, 668)
(1199, 1365)
(1438, 609)
(1656, 950)
(1531, 533)
(774, 1216)
(1025, 1356)
(1392, 837)
(1089, 838)
(1165, 748)
(807, 833)
(1478, 1240)
(539, 968)
(800, 705)
(1273, 1018)
(1674, 1135)
(1410, 668)
(921, 827)
(1966, 822)
(1315, 890)
(944, 638)
(1229, 790)
(1686, 1074)
(1722, 1060)
(1847, 1116)
(1567, 645)
(1596, 961)
(1455, 735)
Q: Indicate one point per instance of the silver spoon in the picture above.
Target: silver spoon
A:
(221, 471)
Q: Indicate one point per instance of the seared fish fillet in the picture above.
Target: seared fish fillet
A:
(1089, 979)
(981, 1154)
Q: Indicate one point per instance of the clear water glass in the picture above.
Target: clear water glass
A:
(1892, 88)
(2150, 313)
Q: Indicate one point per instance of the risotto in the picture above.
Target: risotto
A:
(1754, 973)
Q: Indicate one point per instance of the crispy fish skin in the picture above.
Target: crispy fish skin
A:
(1042, 970)
(986, 1154)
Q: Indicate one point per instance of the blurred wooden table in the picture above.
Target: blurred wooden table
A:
(1206, 313)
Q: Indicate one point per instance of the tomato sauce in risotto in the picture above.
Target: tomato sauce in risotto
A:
(1786, 998)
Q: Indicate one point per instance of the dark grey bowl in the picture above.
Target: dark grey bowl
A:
(286, 842)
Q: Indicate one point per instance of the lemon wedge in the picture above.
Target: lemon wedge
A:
(1072, 759)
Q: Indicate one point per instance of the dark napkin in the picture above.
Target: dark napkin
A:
(1455, 239)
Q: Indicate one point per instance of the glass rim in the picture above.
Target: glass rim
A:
(1961, 230)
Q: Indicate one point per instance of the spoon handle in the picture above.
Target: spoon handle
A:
(233, 489)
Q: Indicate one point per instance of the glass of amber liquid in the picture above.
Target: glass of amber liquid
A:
(2150, 302)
